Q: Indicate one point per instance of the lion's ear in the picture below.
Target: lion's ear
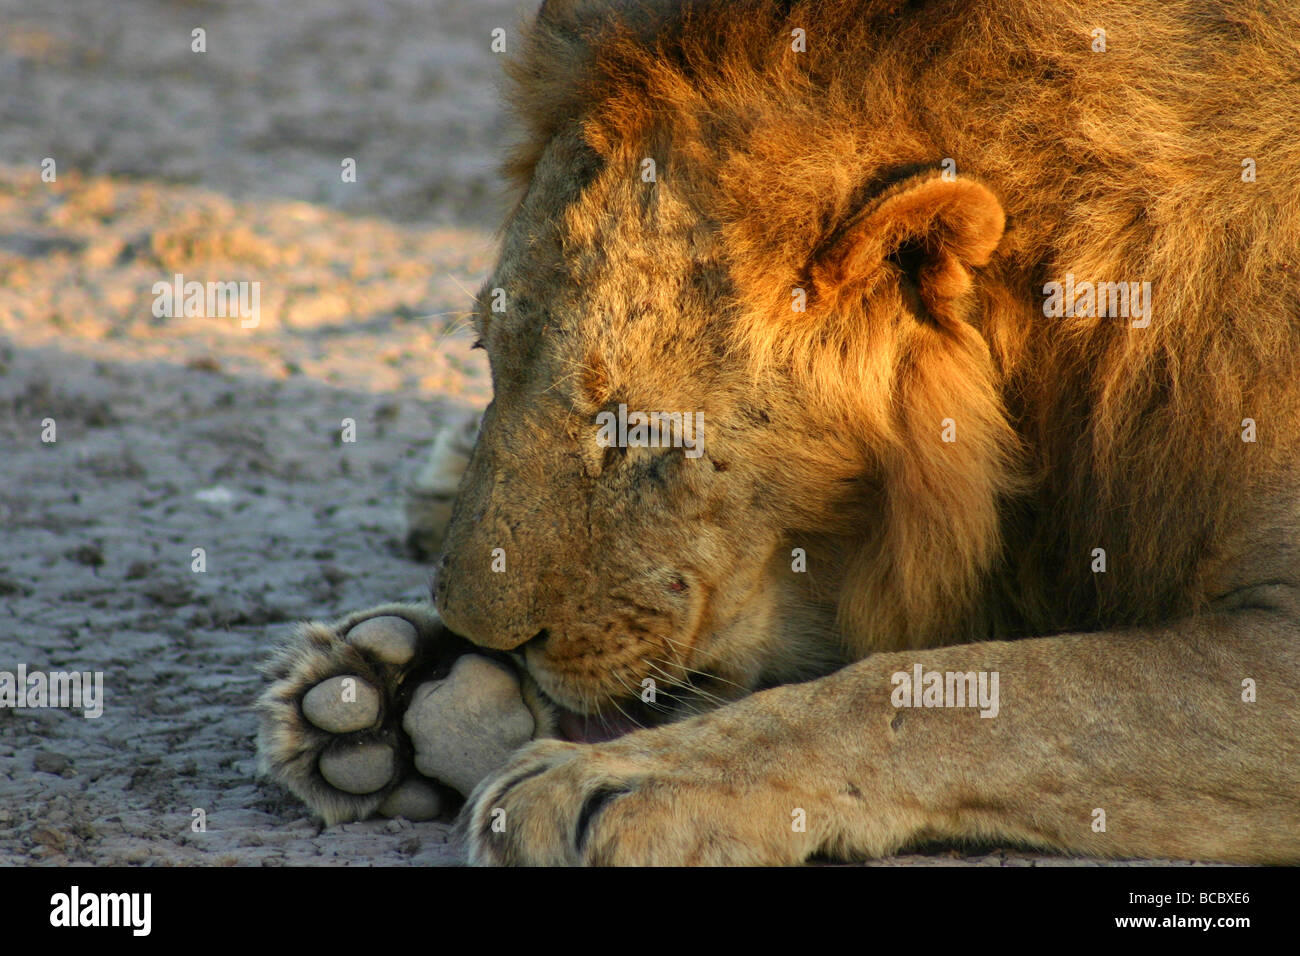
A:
(933, 228)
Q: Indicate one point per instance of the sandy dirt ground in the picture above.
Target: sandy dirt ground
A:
(173, 434)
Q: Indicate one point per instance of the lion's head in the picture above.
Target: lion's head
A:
(735, 256)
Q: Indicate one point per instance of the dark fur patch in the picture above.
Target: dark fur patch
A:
(592, 807)
(506, 788)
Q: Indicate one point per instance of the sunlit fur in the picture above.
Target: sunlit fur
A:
(1073, 433)
(821, 175)
(823, 171)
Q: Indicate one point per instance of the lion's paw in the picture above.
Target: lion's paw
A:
(467, 724)
(681, 794)
(432, 491)
(386, 712)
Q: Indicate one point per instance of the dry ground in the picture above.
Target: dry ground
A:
(175, 434)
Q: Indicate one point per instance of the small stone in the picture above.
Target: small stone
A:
(51, 838)
(341, 707)
(216, 495)
(466, 725)
(203, 363)
(392, 640)
(47, 762)
(413, 799)
(362, 769)
(88, 554)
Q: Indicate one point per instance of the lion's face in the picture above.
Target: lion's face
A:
(795, 503)
(611, 559)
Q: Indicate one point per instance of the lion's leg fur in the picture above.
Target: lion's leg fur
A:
(1132, 743)
(431, 493)
(1124, 744)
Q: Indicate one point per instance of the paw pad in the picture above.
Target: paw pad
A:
(413, 799)
(359, 769)
(390, 639)
(342, 705)
(387, 712)
(466, 725)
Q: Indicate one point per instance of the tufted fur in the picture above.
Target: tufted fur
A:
(1076, 433)
(842, 262)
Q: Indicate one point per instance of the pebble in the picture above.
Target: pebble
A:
(48, 762)
(216, 495)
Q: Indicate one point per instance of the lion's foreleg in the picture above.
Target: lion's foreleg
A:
(1177, 741)
(1172, 742)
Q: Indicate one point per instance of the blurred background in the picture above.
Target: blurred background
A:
(230, 162)
(128, 157)
(285, 89)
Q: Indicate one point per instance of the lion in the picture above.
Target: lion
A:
(990, 315)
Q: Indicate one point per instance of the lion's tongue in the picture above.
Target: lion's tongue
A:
(585, 729)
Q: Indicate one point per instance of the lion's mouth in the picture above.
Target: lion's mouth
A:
(594, 729)
(609, 718)
(612, 719)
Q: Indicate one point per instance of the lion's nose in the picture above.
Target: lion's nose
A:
(482, 610)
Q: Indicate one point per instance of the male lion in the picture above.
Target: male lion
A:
(992, 315)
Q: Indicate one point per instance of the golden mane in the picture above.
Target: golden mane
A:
(1076, 432)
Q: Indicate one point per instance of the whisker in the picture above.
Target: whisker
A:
(462, 288)
(632, 691)
(438, 315)
(687, 685)
(705, 674)
(630, 719)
